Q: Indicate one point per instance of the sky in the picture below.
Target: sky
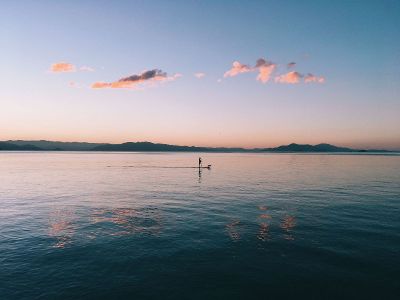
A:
(206, 73)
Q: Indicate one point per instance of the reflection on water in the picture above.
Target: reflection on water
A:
(61, 227)
(263, 232)
(236, 230)
(64, 225)
(107, 221)
(126, 221)
(69, 222)
(265, 216)
(287, 224)
(232, 229)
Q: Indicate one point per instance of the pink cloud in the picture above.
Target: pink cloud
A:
(265, 69)
(101, 85)
(237, 68)
(291, 77)
(134, 81)
(311, 78)
(199, 75)
(62, 67)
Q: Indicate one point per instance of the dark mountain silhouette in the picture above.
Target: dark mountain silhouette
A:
(13, 147)
(57, 146)
(147, 146)
(309, 148)
(153, 147)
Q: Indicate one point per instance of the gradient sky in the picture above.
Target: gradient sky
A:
(353, 45)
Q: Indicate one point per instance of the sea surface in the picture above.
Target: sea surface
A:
(82, 225)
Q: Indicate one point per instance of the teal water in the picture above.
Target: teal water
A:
(143, 226)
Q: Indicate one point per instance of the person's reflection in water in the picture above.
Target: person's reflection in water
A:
(199, 175)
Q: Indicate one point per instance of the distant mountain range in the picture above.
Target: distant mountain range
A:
(147, 146)
(18, 145)
(309, 148)
(15, 147)
(51, 146)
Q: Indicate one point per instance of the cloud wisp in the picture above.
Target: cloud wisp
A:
(86, 69)
(267, 68)
(237, 68)
(311, 78)
(264, 67)
(292, 77)
(199, 75)
(133, 81)
(62, 67)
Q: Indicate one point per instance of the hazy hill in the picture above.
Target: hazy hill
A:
(309, 148)
(13, 147)
(50, 145)
(148, 146)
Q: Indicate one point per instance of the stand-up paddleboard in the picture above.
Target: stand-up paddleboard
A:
(161, 167)
(208, 167)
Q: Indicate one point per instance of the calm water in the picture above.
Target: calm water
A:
(133, 225)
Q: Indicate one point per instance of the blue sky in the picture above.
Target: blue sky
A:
(353, 45)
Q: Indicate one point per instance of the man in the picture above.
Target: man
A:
(200, 165)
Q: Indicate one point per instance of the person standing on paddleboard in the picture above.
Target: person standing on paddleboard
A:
(200, 165)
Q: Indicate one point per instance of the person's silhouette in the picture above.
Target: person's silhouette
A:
(200, 164)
